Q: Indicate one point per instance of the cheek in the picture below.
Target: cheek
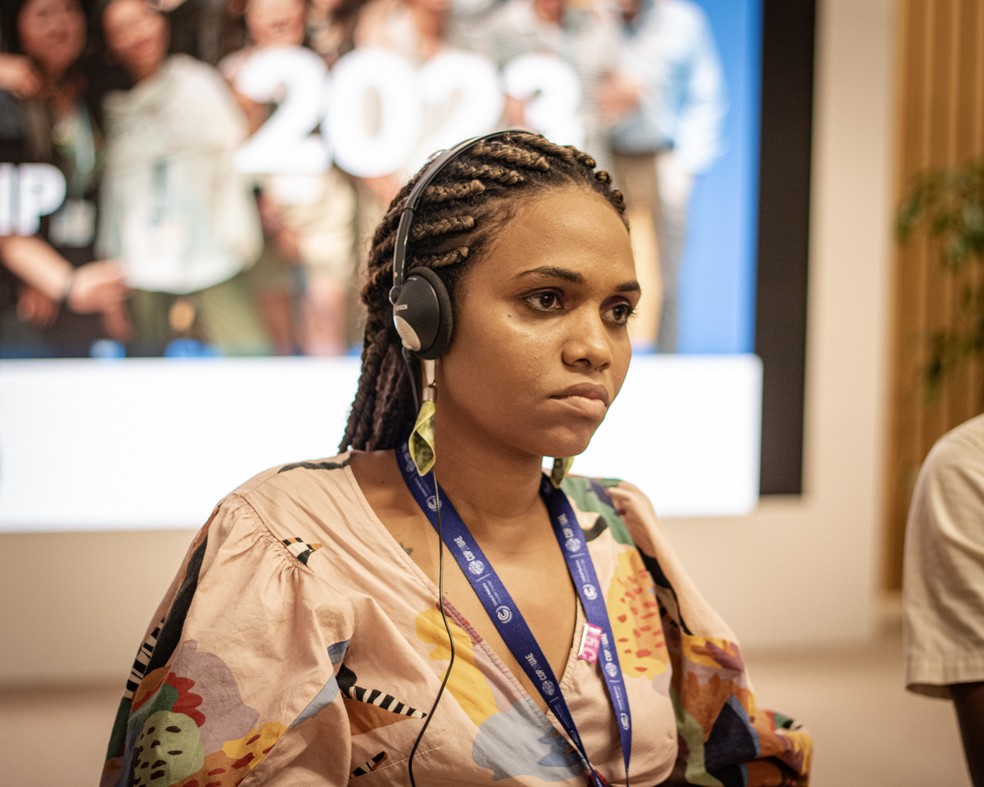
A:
(622, 358)
(30, 35)
(77, 40)
(520, 350)
(160, 35)
(498, 358)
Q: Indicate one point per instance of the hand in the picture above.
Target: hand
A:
(35, 308)
(18, 76)
(97, 287)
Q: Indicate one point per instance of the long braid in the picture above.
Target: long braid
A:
(458, 216)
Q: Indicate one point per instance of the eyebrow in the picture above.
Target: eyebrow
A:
(575, 277)
(554, 271)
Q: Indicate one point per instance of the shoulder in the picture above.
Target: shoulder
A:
(955, 463)
(187, 66)
(291, 509)
(299, 489)
(283, 477)
(189, 77)
(283, 540)
(950, 487)
(614, 504)
(608, 493)
(626, 513)
(272, 524)
(962, 444)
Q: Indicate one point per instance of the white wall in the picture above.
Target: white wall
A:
(806, 570)
(799, 571)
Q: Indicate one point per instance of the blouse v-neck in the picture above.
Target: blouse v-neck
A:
(383, 537)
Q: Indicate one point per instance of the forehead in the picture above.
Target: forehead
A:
(124, 10)
(570, 238)
(268, 7)
(572, 228)
(33, 8)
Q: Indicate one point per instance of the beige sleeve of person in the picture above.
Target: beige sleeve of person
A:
(943, 582)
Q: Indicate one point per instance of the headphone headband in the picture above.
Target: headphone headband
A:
(434, 168)
(422, 312)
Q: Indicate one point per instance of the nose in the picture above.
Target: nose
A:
(588, 343)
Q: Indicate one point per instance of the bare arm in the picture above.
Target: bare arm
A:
(968, 699)
(95, 287)
(34, 262)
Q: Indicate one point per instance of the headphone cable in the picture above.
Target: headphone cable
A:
(440, 588)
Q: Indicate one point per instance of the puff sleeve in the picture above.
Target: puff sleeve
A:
(236, 676)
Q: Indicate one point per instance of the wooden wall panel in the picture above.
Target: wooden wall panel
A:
(941, 124)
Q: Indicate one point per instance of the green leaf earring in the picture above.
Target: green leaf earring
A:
(561, 467)
(421, 442)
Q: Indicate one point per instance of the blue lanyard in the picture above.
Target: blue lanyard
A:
(509, 620)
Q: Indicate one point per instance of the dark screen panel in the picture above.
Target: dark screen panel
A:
(788, 45)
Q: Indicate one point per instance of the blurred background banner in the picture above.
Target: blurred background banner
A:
(232, 157)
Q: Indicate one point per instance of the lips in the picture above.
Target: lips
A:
(586, 398)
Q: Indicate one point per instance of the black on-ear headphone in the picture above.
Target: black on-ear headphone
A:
(421, 305)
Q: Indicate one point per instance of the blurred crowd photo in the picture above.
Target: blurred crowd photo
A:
(187, 178)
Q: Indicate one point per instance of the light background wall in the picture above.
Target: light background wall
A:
(799, 572)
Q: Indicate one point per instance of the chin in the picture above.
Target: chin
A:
(570, 444)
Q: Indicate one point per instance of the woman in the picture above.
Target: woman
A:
(175, 211)
(54, 300)
(303, 641)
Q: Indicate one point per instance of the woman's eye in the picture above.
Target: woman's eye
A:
(621, 312)
(544, 301)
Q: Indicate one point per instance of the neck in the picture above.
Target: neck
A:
(496, 492)
(54, 81)
(144, 71)
(61, 94)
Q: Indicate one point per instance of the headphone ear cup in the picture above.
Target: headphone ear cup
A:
(422, 314)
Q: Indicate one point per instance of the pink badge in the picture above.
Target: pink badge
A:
(590, 642)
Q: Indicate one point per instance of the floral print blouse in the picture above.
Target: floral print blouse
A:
(300, 645)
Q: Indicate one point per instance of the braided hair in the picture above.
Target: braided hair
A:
(456, 219)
